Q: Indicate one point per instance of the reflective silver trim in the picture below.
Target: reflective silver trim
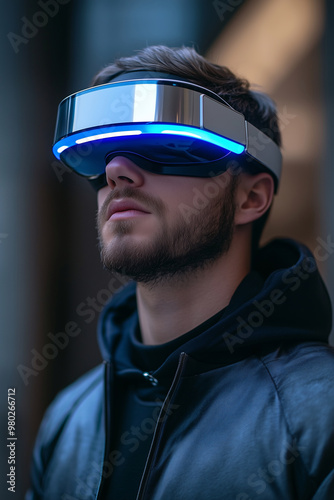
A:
(263, 149)
(135, 102)
(223, 120)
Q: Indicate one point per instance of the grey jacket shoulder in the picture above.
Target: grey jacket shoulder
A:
(77, 399)
(304, 380)
(69, 398)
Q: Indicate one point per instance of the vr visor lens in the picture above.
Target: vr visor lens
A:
(165, 153)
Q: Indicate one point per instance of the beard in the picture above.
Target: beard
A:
(177, 249)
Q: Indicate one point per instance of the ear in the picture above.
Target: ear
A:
(253, 196)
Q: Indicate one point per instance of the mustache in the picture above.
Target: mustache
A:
(148, 201)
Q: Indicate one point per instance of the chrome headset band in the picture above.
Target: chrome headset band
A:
(94, 118)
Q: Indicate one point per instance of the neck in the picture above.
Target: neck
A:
(171, 308)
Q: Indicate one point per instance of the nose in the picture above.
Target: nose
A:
(122, 172)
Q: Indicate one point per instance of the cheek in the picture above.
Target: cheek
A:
(102, 195)
(177, 190)
(190, 192)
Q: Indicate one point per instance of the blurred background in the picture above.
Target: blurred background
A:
(51, 277)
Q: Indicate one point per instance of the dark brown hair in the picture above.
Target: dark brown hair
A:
(185, 62)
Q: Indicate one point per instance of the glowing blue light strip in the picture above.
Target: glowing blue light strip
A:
(108, 132)
(61, 149)
(107, 135)
(180, 132)
(207, 136)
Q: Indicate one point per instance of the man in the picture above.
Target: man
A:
(217, 377)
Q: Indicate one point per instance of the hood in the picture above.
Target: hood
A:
(282, 301)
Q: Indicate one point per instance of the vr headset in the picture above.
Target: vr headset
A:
(163, 124)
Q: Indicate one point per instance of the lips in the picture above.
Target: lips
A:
(119, 206)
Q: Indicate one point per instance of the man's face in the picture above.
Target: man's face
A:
(153, 227)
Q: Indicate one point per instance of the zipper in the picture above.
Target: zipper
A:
(107, 399)
(163, 415)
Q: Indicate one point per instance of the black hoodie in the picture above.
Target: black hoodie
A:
(241, 407)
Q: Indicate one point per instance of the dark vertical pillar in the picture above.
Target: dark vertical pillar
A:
(33, 52)
(328, 171)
